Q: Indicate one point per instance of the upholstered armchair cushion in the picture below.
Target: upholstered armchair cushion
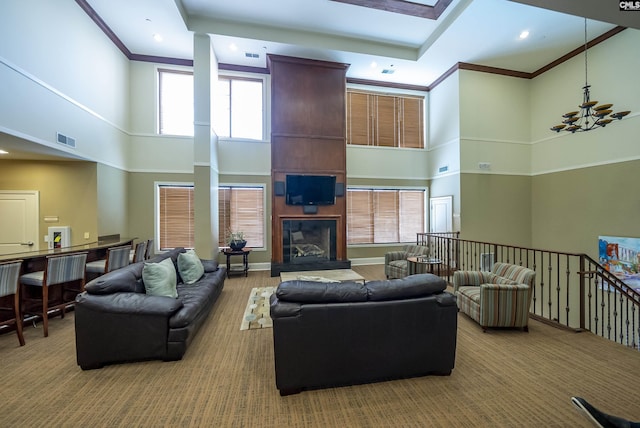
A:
(470, 277)
(518, 274)
(395, 262)
(500, 298)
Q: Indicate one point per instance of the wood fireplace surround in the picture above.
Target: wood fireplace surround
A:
(308, 136)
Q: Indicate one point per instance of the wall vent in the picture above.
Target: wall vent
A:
(67, 141)
(251, 55)
(443, 169)
(486, 261)
(388, 71)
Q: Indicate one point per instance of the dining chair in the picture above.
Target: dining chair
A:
(44, 291)
(117, 257)
(10, 287)
(138, 255)
(149, 253)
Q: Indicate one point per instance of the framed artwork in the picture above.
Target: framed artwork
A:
(621, 256)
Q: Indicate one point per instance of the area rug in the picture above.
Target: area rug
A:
(256, 314)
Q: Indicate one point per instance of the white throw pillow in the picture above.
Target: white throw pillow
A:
(160, 278)
(190, 267)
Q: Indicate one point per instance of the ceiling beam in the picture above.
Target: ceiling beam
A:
(303, 38)
(404, 7)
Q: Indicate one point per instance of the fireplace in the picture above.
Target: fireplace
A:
(308, 244)
(308, 241)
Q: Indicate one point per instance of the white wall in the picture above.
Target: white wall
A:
(494, 123)
(444, 126)
(60, 73)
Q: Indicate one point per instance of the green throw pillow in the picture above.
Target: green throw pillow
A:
(190, 267)
(160, 278)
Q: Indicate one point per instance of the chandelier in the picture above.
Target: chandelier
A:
(590, 116)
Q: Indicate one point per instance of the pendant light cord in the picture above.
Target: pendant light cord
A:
(586, 80)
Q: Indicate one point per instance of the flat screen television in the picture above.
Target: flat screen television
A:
(310, 189)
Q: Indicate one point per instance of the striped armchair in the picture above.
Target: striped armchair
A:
(500, 298)
(395, 262)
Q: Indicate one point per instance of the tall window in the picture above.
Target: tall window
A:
(175, 216)
(241, 209)
(238, 108)
(384, 216)
(175, 105)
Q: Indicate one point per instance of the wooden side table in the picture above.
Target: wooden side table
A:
(237, 270)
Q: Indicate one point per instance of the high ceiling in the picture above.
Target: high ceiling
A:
(416, 49)
(419, 50)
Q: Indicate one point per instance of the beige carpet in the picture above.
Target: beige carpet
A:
(502, 378)
(256, 314)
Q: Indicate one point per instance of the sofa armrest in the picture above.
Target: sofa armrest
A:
(130, 303)
(121, 327)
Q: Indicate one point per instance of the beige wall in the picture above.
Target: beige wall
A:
(496, 208)
(67, 190)
(572, 208)
(585, 184)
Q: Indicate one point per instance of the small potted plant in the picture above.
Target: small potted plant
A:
(236, 240)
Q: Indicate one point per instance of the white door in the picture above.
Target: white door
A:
(441, 218)
(19, 227)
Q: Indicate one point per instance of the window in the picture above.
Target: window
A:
(238, 108)
(175, 216)
(175, 105)
(383, 216)
(241, 209)
(385, 120)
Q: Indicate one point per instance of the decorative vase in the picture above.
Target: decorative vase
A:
(237, 245)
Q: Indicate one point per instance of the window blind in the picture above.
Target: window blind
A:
(383, 216)
(241, 209)
(176, 217)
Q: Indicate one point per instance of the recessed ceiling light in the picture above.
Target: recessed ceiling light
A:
(157, 37)
(524, 34)
(233, 47)
(374, 64)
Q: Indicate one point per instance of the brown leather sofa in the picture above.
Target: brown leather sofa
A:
(333, 334)
(117, 322)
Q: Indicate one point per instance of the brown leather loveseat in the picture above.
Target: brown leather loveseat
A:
(333, 334)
